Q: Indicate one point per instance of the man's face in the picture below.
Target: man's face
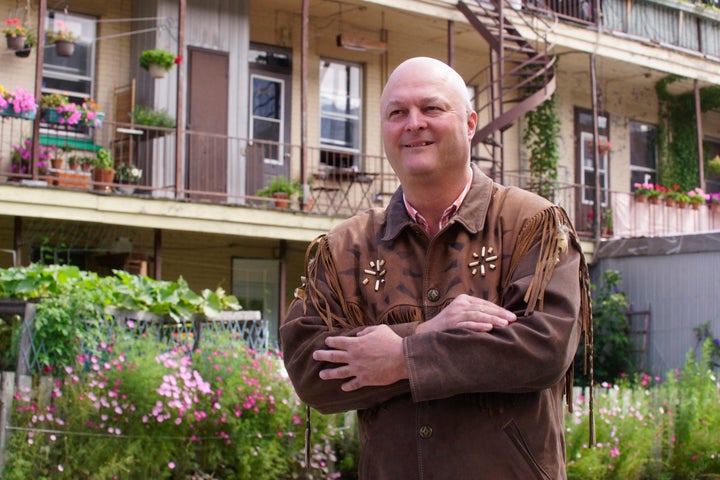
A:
(426, 125)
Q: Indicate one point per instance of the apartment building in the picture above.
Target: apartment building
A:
(277, 88)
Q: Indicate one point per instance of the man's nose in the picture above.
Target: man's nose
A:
(415, 120)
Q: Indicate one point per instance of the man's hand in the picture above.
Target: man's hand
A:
(373, 358)
(471, 313)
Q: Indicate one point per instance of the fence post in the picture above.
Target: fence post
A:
(23, 365)
(7, 391)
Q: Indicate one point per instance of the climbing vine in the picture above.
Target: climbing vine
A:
(540, 138)
(677, 139)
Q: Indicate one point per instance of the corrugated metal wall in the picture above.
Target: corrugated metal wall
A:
(678, 279)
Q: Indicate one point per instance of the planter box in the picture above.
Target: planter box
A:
(72, 179)
(9, 112)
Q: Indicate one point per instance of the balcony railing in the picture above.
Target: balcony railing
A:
(692, 26)
(230, 171)
(213, 168)
(621, 216)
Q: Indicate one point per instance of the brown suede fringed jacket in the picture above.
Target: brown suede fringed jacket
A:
(476, 405)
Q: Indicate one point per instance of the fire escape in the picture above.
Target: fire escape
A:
(520, 75)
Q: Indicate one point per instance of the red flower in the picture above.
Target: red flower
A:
(178, 59)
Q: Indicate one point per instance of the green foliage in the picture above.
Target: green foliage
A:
(159, 57)
(144, 115)
(280, 184)
(613, 346)
(677, 136)
(541, 139)
(134, 409)
(64, 325)
(104, 159)
(648, 429)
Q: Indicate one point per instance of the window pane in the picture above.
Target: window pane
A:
(267, 95)
(340, 105)
(642, 145)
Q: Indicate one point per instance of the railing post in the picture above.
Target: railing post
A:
(7, 391)
(24, 349)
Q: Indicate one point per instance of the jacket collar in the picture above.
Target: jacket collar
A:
(471, 215)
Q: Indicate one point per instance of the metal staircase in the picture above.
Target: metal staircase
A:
(520, 75)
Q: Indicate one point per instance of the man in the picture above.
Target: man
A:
(449, 320)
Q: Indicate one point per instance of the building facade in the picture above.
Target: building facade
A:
(280, 88)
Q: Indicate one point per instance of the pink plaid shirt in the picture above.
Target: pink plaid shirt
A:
(447, 214)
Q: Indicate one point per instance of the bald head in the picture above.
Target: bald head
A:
(428, 69)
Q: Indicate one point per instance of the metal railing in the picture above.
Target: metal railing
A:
(211, 168)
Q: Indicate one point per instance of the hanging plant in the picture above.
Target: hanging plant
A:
(540, 138)
(157, 62)
(677, 136)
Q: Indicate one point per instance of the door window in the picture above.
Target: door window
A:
(267, 115)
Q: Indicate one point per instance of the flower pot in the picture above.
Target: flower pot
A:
(57, 163)
(9, 112)
(102, 178)
(695, 205)
(156, 71)
(51, 115)
(15, 42)
(85, 167)
(681, 205)
(63, 48)
(281, 199)
(24, 52)
(640, 198)
(670, 202)
(655, 200)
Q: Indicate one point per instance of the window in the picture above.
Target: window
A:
(587, 150)
(74, 75)
(711, 149)
(256, 284)
(340, 112)
(643, 153)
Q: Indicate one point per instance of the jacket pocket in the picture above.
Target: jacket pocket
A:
(518, 440)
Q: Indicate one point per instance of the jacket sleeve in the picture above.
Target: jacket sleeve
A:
(304, 331)
(532, 354)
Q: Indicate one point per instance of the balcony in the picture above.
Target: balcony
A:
(230, 171)
(621, 216)
(214, 168)
(692, 27)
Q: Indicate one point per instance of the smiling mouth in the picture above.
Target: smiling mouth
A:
(419, 144)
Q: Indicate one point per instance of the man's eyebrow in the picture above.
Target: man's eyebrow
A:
(423, 101)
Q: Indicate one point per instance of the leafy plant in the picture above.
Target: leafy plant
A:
(159, 57)
(104, 159)
(541, 139)
(14, 28)
(280, 184)
(144, 115)
(613, 346)
(221, 412)
(61, 32)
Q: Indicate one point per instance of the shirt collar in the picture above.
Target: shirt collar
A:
(447, 213)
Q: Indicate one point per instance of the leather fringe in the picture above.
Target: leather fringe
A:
(556, 232)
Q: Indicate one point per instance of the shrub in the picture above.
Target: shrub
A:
(223, 412)
(159, 57)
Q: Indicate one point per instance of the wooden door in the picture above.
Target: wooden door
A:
(207, 121)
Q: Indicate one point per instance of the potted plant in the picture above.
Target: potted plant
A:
(127, 175)
(280, 188)
(90, 113)
(157, 62)
(57, 108)
(697, 197)
(149, 117)
(14, 33)
(21, 158)
(20, 104)
(63, 38)
(103, 171)
(30, 42)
